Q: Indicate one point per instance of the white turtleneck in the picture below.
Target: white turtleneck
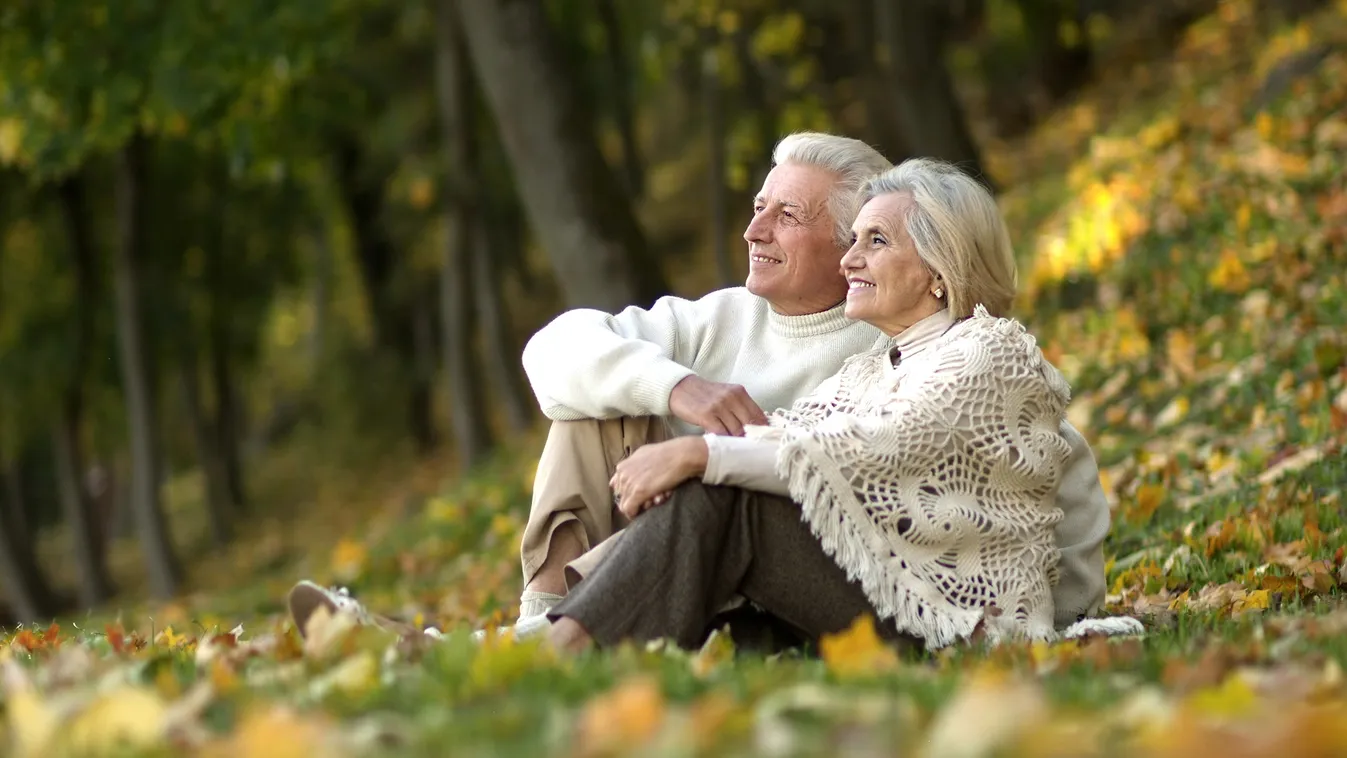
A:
(591, 364)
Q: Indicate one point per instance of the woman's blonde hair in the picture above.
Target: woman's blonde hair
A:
(958, 231)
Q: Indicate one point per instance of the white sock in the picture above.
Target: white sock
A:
(534, 603)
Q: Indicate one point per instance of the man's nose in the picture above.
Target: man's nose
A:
(759, 230)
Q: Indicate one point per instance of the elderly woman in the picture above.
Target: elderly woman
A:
(916, 485)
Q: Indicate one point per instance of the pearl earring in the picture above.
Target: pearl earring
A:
(939, 292)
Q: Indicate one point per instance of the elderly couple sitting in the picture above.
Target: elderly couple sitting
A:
(859, 429)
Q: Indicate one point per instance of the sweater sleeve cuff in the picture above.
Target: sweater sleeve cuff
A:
(743, 462)
(652, 389)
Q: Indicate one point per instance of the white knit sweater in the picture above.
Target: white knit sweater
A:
(590, 364)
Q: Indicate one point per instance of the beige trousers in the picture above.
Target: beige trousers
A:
(571, 486)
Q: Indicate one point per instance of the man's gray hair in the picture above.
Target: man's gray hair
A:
(852, 160)
(958, 231)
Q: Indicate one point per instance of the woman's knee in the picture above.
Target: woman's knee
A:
(692, 507)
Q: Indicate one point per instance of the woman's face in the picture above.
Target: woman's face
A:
(889, 286)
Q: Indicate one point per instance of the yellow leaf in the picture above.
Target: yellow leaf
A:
(1182, 352)
(354, 675)
(349, 559)
(32, 722)
(11, 139)
(420, 193)
(1230, 274)
(1255, 600)
(1148, 499)
(169, 638)
(988, 716)
(325, 632)
(718, 649)
(1173, 413)
(1231, 699)
(625, 717)
(857, 650)
(277, 733)
(129, 718)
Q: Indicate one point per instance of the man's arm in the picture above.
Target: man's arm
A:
(591, 364)
(1080, 534)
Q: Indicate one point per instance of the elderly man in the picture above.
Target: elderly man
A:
(613, 382)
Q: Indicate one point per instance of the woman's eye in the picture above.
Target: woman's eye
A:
(876, 240)
(788, 215)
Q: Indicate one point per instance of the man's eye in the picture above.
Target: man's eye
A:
(788, 215)
(757, 209)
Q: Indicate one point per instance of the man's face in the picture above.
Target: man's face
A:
(792, 251)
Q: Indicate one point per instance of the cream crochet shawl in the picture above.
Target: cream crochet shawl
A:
(934, 484)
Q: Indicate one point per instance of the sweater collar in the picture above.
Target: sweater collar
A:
(920, 335)
(811, 324)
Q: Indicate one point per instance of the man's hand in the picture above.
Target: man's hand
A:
(647, 476)
(718, 408)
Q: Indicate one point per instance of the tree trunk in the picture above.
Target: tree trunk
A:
(715, 164)
(498, 344)
(226, 439)
(467, 407)
(574, 201)
(322, 284)
(88, 542)
(161, 564)
(391, 310)
(619, 67)
(756, 100)
(25, 587)
(208, 455)
(912, 37)
(1062, 68)
(861, 57)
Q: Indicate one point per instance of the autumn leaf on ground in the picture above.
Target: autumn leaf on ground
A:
(857, 650)
(622, 718)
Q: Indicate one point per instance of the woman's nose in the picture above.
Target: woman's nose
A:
(851, 260)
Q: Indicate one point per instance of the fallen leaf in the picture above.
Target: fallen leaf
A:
(858, 650)
(988, 714)
(622, 718)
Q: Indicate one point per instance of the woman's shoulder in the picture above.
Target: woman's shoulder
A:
(998, 344)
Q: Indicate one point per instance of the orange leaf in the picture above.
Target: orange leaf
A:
(116, 637)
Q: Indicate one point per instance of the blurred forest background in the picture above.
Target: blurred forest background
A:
(249, 246)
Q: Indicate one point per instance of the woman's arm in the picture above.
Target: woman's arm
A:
(748, 462)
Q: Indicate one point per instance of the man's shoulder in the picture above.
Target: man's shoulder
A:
(729, 299)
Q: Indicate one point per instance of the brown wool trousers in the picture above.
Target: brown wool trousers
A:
(570, 489)
(679, 563)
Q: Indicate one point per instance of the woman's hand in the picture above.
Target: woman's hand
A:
(647, 476)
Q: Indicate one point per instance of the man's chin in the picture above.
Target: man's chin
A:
(761, 283)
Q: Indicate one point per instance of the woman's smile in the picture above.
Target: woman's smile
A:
(857, 285)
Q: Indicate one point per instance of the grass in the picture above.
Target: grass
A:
(1184, 264)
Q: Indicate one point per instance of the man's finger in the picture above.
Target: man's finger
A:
(755, 415)
(748, 411)
(713, 426)
(733, 427)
